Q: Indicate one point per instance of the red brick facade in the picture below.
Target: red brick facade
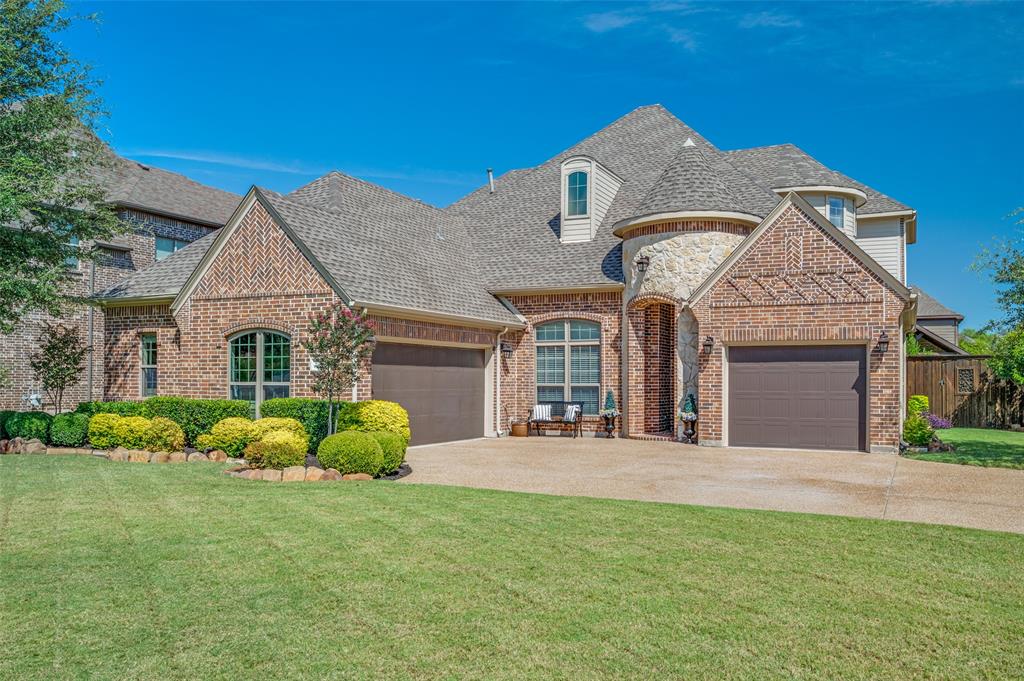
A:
(798, 284)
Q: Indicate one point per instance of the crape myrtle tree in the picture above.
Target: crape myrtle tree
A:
(51, 162)
(339, 341)
(59, 361)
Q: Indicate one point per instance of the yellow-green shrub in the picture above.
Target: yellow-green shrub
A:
(916, 405)
(351, 452)
(276, 449)
(164, 435)
(270, 424)
(103, 430)
(229, 435)
(393, 447)
(375, 415)
(131, 431)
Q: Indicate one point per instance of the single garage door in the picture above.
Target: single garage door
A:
(808, 397)
(441, 388)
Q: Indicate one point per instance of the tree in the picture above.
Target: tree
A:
(1004, 263)
(58, 363)
(339, 342)
(51, 162)
(913, 346)
(1008, 356)
(978, 341)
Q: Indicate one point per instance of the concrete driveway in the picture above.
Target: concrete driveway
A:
(836, 483)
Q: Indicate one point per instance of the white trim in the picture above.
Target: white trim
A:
(622, 225)
(890, 214)
(825, 188)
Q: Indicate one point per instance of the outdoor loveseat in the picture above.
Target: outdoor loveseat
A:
(556, 415)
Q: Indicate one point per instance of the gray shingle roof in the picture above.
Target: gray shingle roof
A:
(929, 307)
(164, 278)
(689, 183)
(786, 165)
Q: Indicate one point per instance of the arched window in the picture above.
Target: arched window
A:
(569, 363)
(576, 194)
(259, 367)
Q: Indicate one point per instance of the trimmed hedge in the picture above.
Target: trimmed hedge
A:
(312, 414)
(103, 430)
(131, 431)
(69, 430)
(277, 449)
(351, 452)
(372, 416)
(4, 415)
(195, 416)
(29, 425)
(164, 435)
(270, 424)
(393, 447)
(120, 408)
(230, 435)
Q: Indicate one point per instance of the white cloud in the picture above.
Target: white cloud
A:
(769, 20)
(234, 161)
(608, 21)
(682, 37)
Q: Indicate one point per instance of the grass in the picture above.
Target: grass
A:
(979, 447)
(137, 571)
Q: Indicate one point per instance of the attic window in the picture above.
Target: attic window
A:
(836, 211)
(576, 193)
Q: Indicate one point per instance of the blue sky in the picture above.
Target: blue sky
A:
(924, 102)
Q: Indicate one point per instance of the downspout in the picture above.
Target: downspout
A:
(355, 393)
(92, 327)
(497, 382)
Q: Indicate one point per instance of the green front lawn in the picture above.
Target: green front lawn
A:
(140, 571)
(979, 447)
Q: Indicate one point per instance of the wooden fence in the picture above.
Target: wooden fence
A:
(963, 390)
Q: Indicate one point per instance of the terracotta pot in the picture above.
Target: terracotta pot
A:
(519, 430)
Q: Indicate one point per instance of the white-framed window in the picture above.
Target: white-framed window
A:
(259, 367)
(166, 246)
(837, 211)
(576, 194)
(569, 363)
(147, 364)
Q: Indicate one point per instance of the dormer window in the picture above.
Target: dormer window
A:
(837, 211)
(576, 194)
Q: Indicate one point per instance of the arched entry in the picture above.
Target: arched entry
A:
(651, 365)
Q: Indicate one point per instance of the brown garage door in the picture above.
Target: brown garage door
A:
(442, 389)
(807, 397)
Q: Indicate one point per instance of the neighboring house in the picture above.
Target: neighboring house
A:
(938, 327)
(642, 260)
(166, 211)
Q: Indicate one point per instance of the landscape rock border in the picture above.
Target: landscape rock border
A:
(294, 474)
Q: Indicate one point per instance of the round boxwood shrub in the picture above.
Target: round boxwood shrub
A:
(164, 435)
(351, 452)
(229, 435)
(69, 430)
(917, 431)
(276, 449)
(103, 430)
(29, 425)
(261, 427)
(131, 431)
(374, 416)
(4, 415)
(393, 447)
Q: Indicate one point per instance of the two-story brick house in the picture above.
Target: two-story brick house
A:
(166, 212)
(642, 260)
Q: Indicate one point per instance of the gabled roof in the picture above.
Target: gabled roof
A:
(785, 165)
(938, 341)
(164, 278)
(928, 307)
(793, 199)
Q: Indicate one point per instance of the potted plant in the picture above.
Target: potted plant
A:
(688, 415)
(609, 413)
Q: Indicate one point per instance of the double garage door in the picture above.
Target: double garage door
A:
(809, 397)
(441, 388)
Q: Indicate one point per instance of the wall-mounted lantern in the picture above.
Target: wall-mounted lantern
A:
(506, 349)
(883, 343)
(642, 262)
(709, 345)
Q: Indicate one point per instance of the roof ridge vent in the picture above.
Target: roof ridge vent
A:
(689, 142)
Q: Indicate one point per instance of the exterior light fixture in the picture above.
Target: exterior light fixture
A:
(883, 342)
(709, 345)
(506, 349)
(642, 262)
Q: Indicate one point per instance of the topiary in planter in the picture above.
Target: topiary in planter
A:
(261, 427)
(277, 449)
(351, 452)
(229, 435)
(69, 430)
(374, 416)
(164, 435)
(393, 447)
(29, 425)
(103, 430)
(131, 431)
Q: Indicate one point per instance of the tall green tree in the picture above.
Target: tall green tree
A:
(51, 162)
(1003, 261)
(978, 341)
